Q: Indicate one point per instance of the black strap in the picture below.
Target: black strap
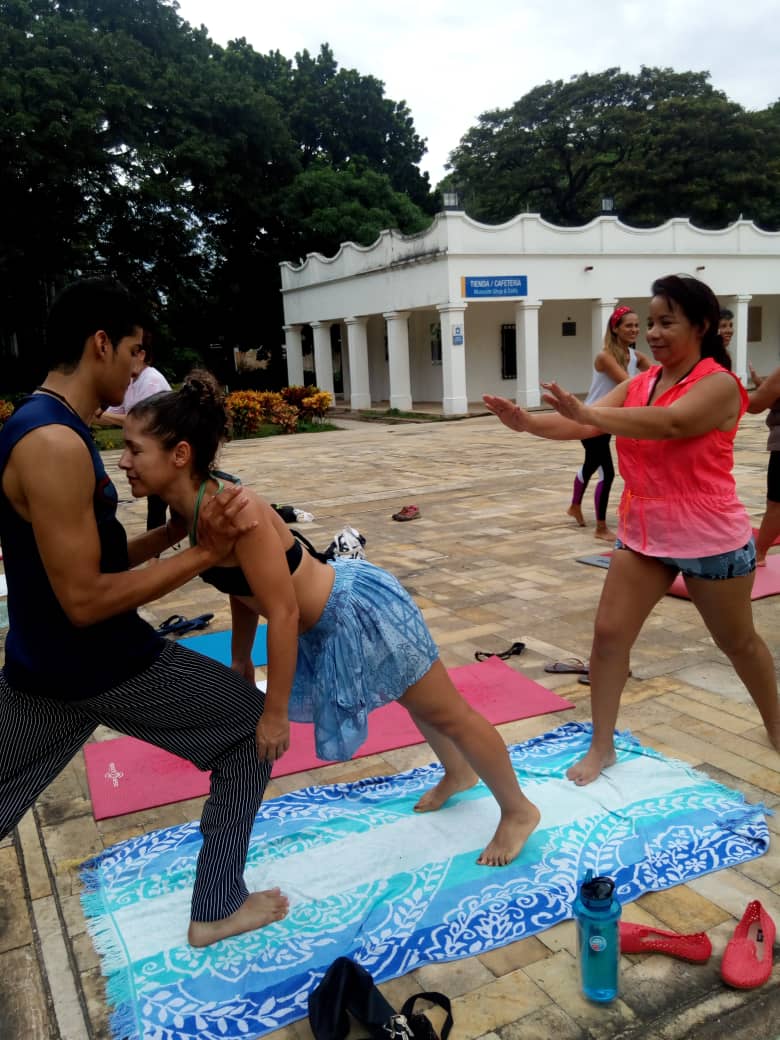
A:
(433, 998)
(322, 557)
(515, 648)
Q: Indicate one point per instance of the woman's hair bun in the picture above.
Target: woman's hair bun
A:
(203, 387)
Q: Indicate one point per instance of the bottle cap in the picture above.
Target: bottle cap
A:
(596, 891)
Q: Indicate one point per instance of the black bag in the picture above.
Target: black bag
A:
(348, 987)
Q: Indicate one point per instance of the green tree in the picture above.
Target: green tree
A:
(661, 143)
(130, 142)
(325, 206)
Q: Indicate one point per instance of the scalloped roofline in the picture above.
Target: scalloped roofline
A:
(392, 233)
(533, 218)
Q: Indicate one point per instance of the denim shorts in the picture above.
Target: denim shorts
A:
(735, 564)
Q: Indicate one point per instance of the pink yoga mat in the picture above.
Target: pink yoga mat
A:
(126, 775)
(766, 583)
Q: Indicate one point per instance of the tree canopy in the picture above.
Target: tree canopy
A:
(661, 143)
(131, 143)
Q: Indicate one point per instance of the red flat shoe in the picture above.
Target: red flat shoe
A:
(747, 959)
(638, 938)
(407, 513)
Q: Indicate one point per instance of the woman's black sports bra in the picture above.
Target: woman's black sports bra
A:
(231, 580)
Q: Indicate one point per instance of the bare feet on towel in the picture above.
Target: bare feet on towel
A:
(589, 768)
(511, 834)
(576, 512)
(449, 785)
(260, 909)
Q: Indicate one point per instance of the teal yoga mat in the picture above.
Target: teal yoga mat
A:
(217, 646)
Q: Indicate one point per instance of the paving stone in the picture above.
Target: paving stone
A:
(15, 928)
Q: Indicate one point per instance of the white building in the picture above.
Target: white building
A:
(463, 308)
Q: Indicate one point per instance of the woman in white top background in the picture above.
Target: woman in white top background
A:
(617, 360)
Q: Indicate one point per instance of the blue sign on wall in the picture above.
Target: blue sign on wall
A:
(492, 286)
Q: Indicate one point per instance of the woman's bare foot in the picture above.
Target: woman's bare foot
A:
(603, 532)
(773, 732)
(445, 789)
(760, 560)
(576, 512)
(511, 835)
(260, 909)
(589, 768)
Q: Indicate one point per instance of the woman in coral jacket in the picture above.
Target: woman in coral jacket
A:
(675, 426)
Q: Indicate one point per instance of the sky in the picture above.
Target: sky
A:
(452, 61)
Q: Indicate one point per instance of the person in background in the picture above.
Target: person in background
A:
(726, 327)
(766, 395)
(145, 381)
(675, 426)
(617, 360)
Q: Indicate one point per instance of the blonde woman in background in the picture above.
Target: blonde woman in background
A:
(616, 361)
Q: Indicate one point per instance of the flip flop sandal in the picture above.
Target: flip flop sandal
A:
(585, 679)
(407, 513)
(177, 625)
(515, 648)
(573, 665)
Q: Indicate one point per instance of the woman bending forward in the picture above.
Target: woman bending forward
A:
(344, 637)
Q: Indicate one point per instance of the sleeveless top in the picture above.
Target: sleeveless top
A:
(602, 383)
(231, 580)
(45, 654)
(680, 498)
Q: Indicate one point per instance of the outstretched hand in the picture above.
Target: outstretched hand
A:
(510, 414)
(566, 404)
(222, 520)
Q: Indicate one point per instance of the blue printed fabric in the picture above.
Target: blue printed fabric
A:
(369, 879)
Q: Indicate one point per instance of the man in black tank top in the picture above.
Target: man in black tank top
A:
(77, 653)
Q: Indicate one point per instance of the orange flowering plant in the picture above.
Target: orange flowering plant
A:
(6, 410)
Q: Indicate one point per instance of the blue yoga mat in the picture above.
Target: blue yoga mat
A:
(217, 646)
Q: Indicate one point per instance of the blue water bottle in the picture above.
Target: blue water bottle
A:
(597, 914)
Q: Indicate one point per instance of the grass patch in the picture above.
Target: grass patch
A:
(395, 414)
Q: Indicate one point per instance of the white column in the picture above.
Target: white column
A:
(398, 359)
(599, 316)
(357, 351)
(323, 356)
(527, 348)
(455, 399)
(294, 347)
(738, 345)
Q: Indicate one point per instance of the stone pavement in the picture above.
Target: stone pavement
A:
(490, 561)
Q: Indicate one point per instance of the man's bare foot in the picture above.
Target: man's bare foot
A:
(576, 512)
(603, 532)
(589, 768)
(260, 909)
(445, 789)
(511, 835)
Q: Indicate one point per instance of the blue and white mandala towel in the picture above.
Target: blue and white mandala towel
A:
(370, 879)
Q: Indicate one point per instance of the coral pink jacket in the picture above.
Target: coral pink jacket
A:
(680, 498)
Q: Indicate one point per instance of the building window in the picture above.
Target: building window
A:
(754, 325)
(568, 328)
(508, 352)
(434, 337)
